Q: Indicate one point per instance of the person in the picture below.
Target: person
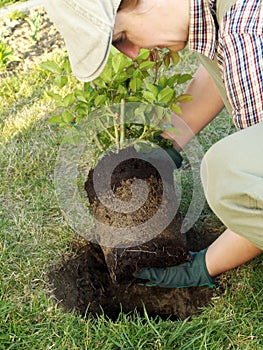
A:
(227, 37)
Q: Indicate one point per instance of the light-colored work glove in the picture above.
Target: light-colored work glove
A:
(190, 274)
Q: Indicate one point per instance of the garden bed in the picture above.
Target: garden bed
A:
(29, 44)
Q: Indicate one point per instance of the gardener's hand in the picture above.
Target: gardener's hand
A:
(154, 153)
(189, 274)
(172, 152)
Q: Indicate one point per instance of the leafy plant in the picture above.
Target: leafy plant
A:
(9, 2)
(145, 80)
(35, 24)
(17, 15)
(6, 56)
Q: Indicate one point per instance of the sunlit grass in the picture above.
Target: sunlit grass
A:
(34, 237)
(4, 3)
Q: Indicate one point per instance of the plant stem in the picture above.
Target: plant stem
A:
(106, 130)
(116, 131)
(143, 133)
(122, 120)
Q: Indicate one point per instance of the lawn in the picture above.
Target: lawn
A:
(4, 3)
(34, 237)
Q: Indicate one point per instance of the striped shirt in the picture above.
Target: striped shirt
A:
(238, 47)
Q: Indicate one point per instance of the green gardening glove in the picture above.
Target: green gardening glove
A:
(171, 151)
(189, 274)
(154, 153)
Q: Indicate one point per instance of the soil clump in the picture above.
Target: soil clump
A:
(97, 277)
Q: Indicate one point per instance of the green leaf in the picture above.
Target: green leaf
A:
(175, 57)
(100, 83)
(175, 108)
(55, 119)
(81, 96)
(135, 73)
(152, 88)
(166, 60)
(162, 81)
(56, 97)
(106, 75)
(79, 110)
(94, 94)
(69, 100)
(117, 99)
(135, 84)
(87, 86)
(51, 66)
(66, 66)
(67, 117)
(143, 55)
(60, 81)
(167, 117)
(116, 63)
(172, 80)
(122, 90)
(149, 96)
(146, 65)
(99, 100)
(184, 98)
(121, 78)
(133, 98)
(184, 78)
(166, 95)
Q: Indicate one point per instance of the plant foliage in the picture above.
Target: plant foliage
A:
(144, 80)
(6, 56)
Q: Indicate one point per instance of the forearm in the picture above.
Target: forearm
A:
(229, 251)
(199, 112)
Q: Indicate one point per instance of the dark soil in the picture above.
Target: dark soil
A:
(82, 283)
(167, 249)
(96, 278)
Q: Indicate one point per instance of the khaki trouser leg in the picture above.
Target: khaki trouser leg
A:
(232, 176)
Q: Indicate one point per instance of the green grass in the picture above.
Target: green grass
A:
(4, 3)
(34, 237)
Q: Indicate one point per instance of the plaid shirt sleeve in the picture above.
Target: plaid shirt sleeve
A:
(240, 58)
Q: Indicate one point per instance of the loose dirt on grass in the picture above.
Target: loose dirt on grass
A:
(82, 283)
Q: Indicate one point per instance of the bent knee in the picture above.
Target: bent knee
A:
(217, 174)
(232, 188)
